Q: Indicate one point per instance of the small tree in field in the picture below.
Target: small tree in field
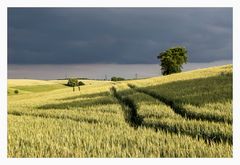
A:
(172, 60)
(72, 82)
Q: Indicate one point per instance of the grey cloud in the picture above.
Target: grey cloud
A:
(116, 35)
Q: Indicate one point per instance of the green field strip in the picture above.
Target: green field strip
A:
(40, 88)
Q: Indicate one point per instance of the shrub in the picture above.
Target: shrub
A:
(72, 82)
(16, 91)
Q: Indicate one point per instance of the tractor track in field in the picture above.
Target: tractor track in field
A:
(130, 109)
(159, 126)
(179, 109)
(134, 119)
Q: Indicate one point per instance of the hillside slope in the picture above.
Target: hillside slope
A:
(181, 115)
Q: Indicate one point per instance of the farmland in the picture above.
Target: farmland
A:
(187, 114)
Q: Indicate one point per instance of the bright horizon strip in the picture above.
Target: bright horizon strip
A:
(120, 3)
(96, 71)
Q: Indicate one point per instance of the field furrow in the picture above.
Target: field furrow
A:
(202, 98)
(186, 111)
(129, 107)
(157, 115)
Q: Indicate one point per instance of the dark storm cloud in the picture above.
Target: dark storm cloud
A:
(116, 35)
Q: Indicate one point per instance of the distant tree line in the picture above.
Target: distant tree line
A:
(117, 79)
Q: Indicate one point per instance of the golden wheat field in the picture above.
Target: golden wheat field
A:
(188, 114)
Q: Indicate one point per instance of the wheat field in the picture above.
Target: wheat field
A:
(187, 114)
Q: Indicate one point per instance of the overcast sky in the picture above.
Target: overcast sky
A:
(116, 35)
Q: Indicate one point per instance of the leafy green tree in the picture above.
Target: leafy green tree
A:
(72, 82)
(172, 60)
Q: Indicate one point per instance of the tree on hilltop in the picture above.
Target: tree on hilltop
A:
(172, 60)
